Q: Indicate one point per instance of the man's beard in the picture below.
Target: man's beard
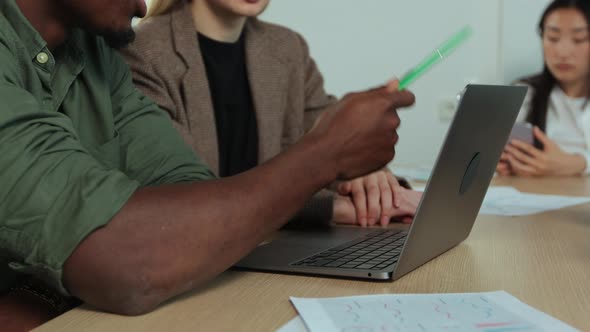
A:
(118, 39)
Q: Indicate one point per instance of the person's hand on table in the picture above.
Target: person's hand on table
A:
(374, 199)
(373, 196)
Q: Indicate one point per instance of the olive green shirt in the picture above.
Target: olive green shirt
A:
(76, 141)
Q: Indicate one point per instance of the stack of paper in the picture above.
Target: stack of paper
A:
(480, 312)
(508, 201)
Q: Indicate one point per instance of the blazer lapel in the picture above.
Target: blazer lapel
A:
(267, 75)
(195, 88)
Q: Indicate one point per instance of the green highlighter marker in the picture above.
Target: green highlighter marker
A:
(440, 53)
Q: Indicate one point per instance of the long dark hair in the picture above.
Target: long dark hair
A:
(544, 82)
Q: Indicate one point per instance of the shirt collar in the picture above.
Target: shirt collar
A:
(30, 38)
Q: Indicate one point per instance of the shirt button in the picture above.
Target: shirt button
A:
(42, 58)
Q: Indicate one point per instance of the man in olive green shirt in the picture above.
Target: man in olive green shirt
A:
(77, 140)
(102, 200)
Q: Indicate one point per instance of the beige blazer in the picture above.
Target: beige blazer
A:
(286, 85)
(287, 88)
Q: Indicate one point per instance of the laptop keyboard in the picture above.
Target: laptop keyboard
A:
(373, 251)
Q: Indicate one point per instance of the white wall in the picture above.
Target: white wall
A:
(358, 44)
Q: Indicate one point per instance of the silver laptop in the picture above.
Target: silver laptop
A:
(445, 216)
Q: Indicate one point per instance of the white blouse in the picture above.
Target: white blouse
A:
(567, 124)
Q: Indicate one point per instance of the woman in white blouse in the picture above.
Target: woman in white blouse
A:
(557, 103)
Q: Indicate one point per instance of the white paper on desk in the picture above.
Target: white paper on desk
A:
(480, 312)
(508, 201)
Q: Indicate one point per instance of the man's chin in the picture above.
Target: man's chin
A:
(118, 39)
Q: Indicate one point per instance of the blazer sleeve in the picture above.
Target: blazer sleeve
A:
(316, 98)
(318, 210)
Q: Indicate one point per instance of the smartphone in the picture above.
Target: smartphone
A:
(522, 131)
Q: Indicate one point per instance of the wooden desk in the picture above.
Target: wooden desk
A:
(544, 260)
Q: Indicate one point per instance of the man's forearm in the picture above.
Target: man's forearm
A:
(167, 240)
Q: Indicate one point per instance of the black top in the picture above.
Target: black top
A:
(237, 132)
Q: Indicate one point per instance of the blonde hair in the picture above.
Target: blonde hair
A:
(159, 7)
